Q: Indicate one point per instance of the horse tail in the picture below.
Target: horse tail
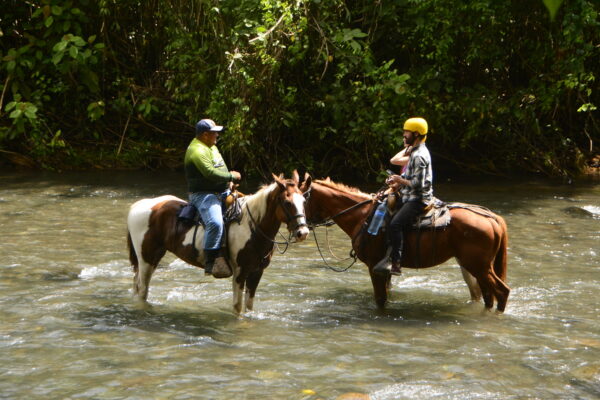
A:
(501, 255)
(132, 255)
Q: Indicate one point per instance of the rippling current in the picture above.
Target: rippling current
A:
(70, 330)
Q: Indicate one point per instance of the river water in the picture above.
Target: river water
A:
(70, 330)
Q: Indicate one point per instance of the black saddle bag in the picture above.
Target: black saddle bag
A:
(188, 214)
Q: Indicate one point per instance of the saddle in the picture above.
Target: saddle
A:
(436, 214)
(188, 214)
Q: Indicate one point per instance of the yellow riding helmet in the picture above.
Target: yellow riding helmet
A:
(416, 125)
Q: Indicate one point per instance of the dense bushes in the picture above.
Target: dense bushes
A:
(318, 85)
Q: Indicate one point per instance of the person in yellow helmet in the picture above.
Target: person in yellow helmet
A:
(415, 184)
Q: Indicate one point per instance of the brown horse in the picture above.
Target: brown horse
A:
(477, 241)
(153, 228)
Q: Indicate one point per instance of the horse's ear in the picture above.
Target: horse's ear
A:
(328, 179)
(279, 181)
(296, 177)
(307, 181)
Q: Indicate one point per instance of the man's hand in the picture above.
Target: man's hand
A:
(395, 181)
(236, 175)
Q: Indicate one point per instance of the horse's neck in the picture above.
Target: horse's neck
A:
(258, 207)
(339, 201)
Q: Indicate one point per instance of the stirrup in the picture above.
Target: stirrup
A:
(221, 268)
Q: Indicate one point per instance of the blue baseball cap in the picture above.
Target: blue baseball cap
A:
(207, 125)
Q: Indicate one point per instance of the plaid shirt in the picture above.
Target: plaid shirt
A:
(418, 172)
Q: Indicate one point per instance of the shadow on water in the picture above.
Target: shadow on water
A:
(208, 323)
(348, 306)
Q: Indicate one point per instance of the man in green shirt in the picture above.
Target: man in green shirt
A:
(208, 180)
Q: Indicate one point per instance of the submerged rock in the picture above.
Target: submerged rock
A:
(353, 396)
(578, 212)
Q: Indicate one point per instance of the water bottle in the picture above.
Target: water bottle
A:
(378, 217)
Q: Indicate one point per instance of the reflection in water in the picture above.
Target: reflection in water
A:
(71, 330)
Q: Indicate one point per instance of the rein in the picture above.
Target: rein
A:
(330, 220)
(351, 255)
(327, 223)
(287, 241)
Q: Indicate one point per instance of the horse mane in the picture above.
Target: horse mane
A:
(342, 187)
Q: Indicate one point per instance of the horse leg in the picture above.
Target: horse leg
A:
(493, 288)
(252, 282)
(472, 284)
(141, 280)
(380, 289)
(238, 283)
(147, 265)
(501, 292)
(484, 281)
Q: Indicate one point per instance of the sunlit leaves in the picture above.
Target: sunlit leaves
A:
(552, 6)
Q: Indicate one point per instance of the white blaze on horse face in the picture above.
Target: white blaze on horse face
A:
(302, 232)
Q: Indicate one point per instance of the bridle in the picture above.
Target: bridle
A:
(289, 217)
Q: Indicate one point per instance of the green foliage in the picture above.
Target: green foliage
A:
(317, 85)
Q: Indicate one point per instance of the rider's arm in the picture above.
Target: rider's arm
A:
(401, 158)
(417, 179)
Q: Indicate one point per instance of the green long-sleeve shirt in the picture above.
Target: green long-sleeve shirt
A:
(205, 169)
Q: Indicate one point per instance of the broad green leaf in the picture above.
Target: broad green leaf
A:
(15, 114)
(48, 22)
(56, 58)
(60, 46)
(78, 41)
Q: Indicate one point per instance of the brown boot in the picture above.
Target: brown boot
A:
(221, 268)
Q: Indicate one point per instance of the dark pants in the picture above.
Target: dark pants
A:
(400, 223)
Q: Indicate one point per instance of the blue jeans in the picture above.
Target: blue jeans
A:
(209, 206)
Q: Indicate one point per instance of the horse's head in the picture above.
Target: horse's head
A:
(314, 213)
(290, 206)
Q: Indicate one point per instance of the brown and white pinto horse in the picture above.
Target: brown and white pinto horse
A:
(153, 228)
(478, 242)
